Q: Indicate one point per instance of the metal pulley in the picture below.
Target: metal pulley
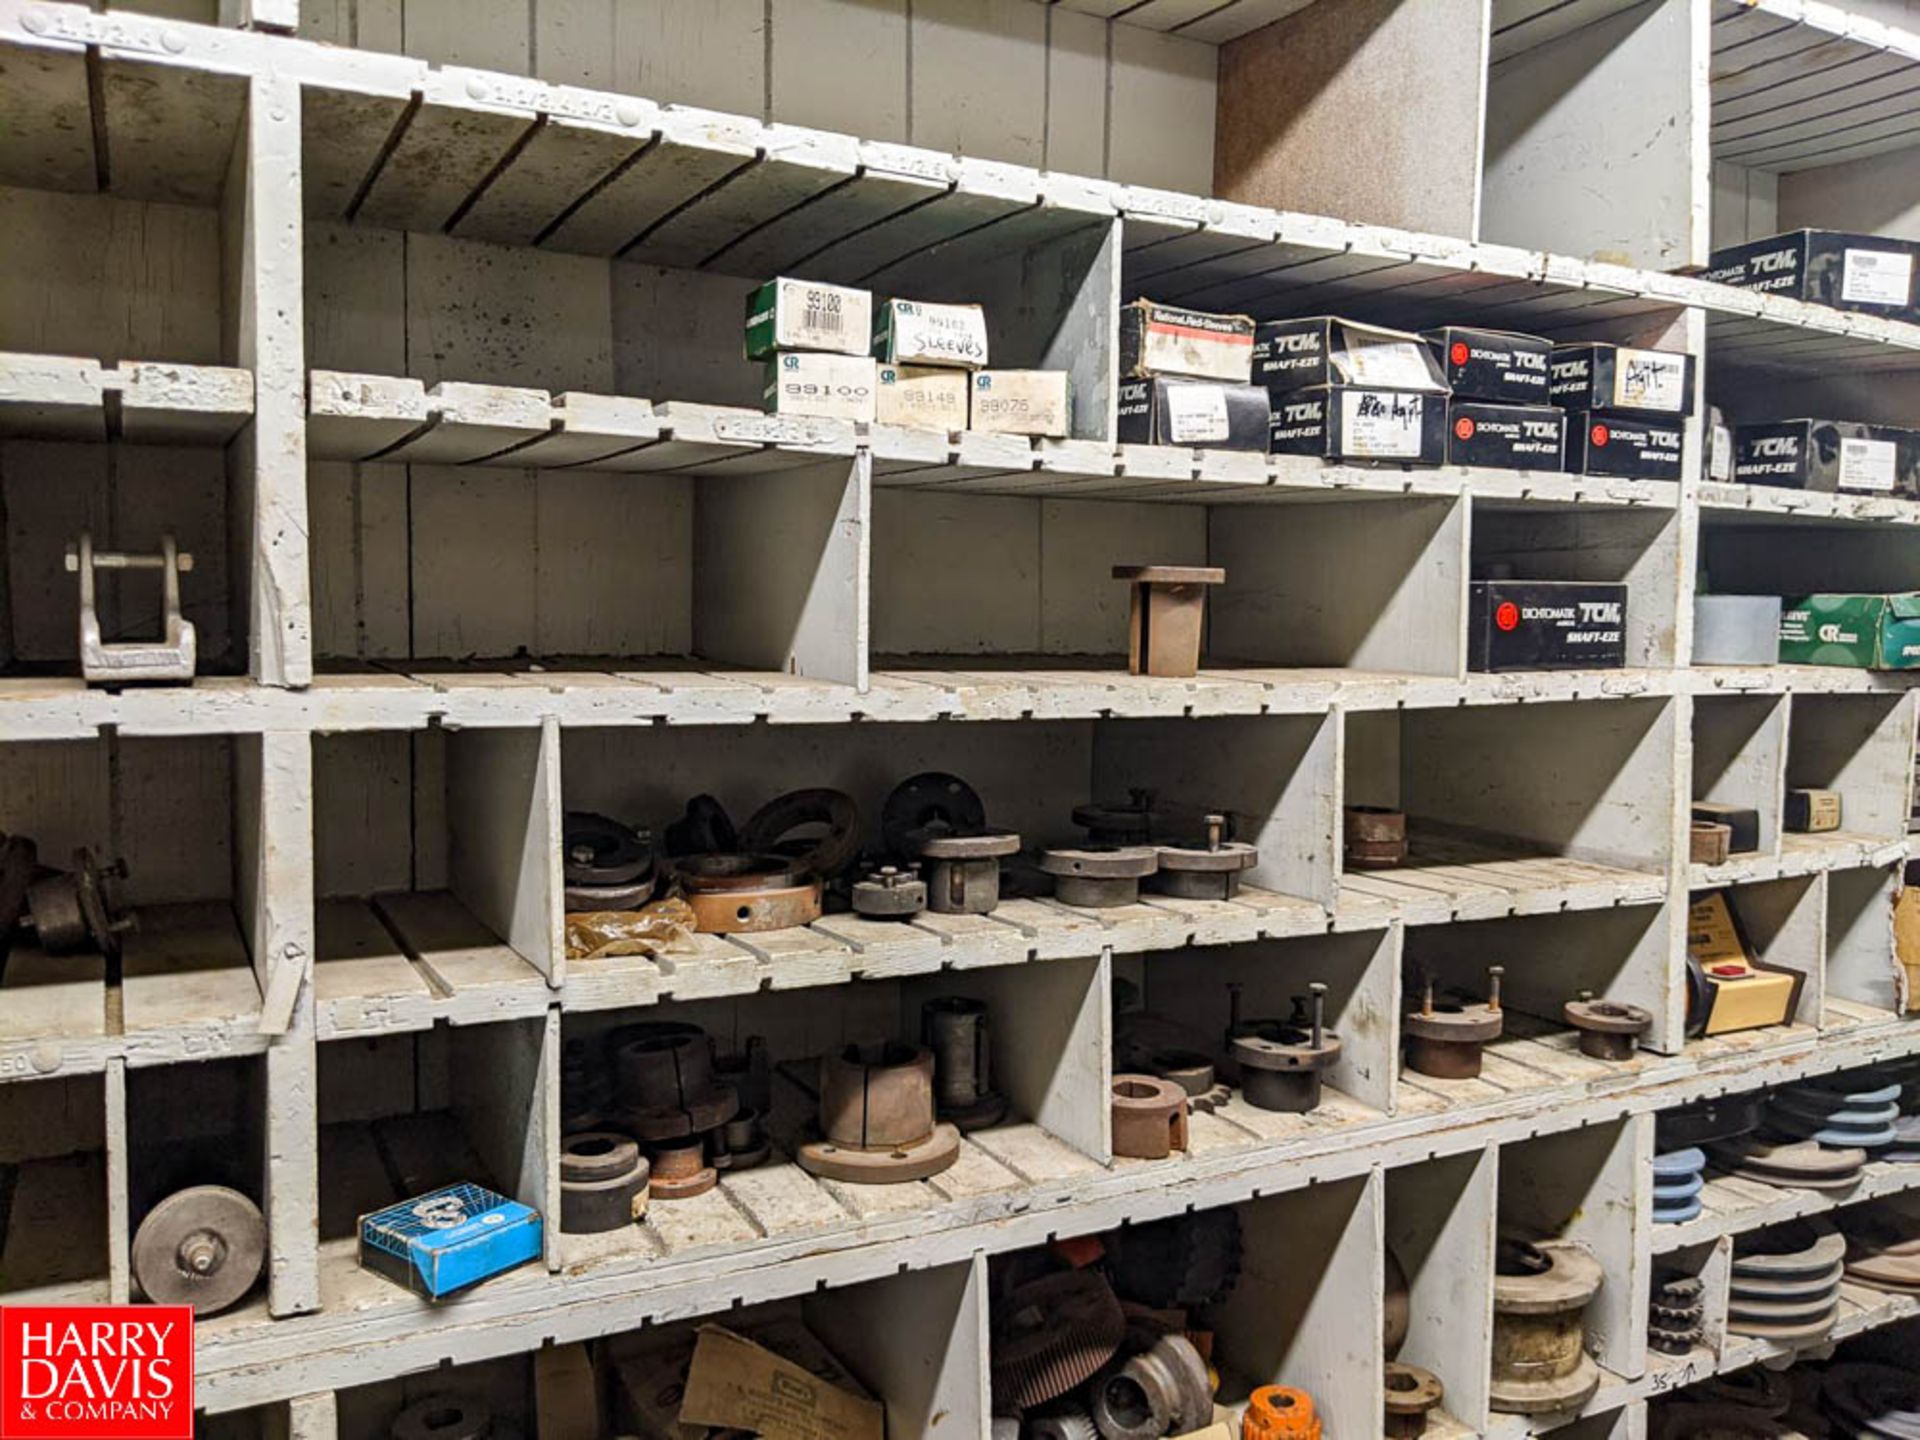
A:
(606, 865)
(954, 1028)
(877, 1121)
(1207, 870)
(817, 829)
(938, 819)
(1444, 1038)
(202, 1246)
(1609, 1029)
(747, 894)
(1280, 1061)
(1540, 1296)
(1096, 878)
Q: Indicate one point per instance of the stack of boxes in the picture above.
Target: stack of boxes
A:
(1502, 415)
(1345, 392)
(1184, 379)
(814, 341)
(1626, 407)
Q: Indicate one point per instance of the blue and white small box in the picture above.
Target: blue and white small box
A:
(441, 1243)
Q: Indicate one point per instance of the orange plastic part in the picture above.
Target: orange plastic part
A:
(1279, 1412)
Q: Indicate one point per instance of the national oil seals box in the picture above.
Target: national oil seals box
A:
(1872, 632)
(1623, 447)
(1173, 340)
(1201, 414)
(1871, 273)
(1495, 365)
(1506, 437)
(786, 314)
(918, 332)
(1546, 625)
(1291, 355)
(1360, 423)
(1620, 377)
(449, 1240)
(1828, 455)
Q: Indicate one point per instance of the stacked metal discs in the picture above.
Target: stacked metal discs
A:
(1883, 1249)
(1841, 1113)
(1676, 1314)
(1905, 1148)
(1678, 1178)
(1786, 1281)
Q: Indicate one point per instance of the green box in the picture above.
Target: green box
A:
(1870, 632)
(787, 314)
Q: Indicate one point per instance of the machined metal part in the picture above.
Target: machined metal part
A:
(606, 865)
(1280, 1062)
(747, 894)
(1540, 1295)
(1166, 609)
(1051, 1336)
(74, 910)
(930, 804)
(1163, 1390)
(1376, 837)
(1805, 1164)
(170, 657)
(955, 1029)
(1678, 1179)
(750, 1072)
(443, 1417)
(603, 1182)
(1609, 1029)
(1132, 821)
(816, 828)
(1191, 1070)
(889, 893)
(1066, 1425)
(741, 1143)
(1280, 1412)
(202, 1246)
(877, 1120)
(665, 1086)
(704, 829)
(1410, 1393)
(1794, 1250)
(1207, 870)
(1094, 878)
(1709, 842)
(963, 871)
(679, 1169)
(1149, 1117)
(1444, 1038)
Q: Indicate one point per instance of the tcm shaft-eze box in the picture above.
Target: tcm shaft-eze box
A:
(788, 314)
(1623, 447)
(1871, 273)
(1828, 455)
(1620, 378)
(1197, 413)
(1359, 423)
(1546, 625)
(1492, 365)
(1506, 437)
(1291, 355)
(915, 332)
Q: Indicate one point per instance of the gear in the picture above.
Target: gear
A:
(1052, 1335)
(1185, 1263)
(1068, 1425)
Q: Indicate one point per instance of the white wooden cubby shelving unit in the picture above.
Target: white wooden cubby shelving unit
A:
(420, 327)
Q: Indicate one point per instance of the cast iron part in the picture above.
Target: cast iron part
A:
(1376, 837)
(705, 829)
(1411, 1392)
(741, 1143)
(74, 910)
(665, 1086)
(1164, 1390)
(1280, 1062)
(926, 805)
(877, 1121)
(1149, 1117)
(1609, 1029)
(1052, 1335)
(747, 894)
(606, 865)
(830, 819)
(1444, 1040)
(603, 1182)
(202, 1246)
(954, 1028)
(1209, 870)
(963, 871)
(443, 1417)
(1540, 1360)
(1096, 878)
(168, 656)
(1132, 822)
(680, 1170)
(889, 893)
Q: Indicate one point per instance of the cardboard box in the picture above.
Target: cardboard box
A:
(921, 397)
(1828, 455)
(650, 1369)
(1290, 355)
(1546, 625)
(916, 332)
(825, 387)
(1906, 940)
(1022, 402)
(1506, 437)
(1872, 273)
(1812, 812)
(1360, 423)
(1493, 365)
(1871, 632)
(1727, 988)
(441, 1243)
(1620, 378)
(734, 1384)
(788, 314)
(1623, 447)
(1199, 413)
(1173, 340)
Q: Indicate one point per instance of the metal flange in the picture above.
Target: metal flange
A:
(1149, 1117)
(606, 865)
(1164, 1390)
(877, 1117)
(603, 1182)
(1208, 869)
(1093, 878)
(963, 871)
(1444, 1038)
(202, 1246)
(774, 829)
(927, 805)
(1376, 837)
(1609, 1029)
(889, 893)
(1410, 1393)
(679, 1169)
(747, 894)
(705, 829)
(1280, 1062)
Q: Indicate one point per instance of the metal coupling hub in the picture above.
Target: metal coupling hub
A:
(747, 894)
(1444, 1038)
(1208, 869)
(1097, 879)
(889, 893)
(1149, 1117)
(1609, 1029)
(877, 1120)
(955, 1029)
(1410, 1393)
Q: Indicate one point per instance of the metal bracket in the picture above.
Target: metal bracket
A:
(171, 657)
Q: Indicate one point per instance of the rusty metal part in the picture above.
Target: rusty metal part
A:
(1066, 1425)
(741, 1143)
(1280, 1412)
(73, 910)
(1609, 1029)
(1540, 1294)
(963, 871)
(955, 1029)
(1444, 1038)
(443, 1417)
(877, 1121)
(665, 1085)
(829, 818)
(1208, 869)
(1376, 837)
(746, 894)
(1279, 1061)
(680, 1170)
(1410, 1393)
(1166, 611)
(1709, 842)
(1097, 878)
(202, 1246)
(603, 1182)
(1149, 1117)
(1051, 1336)
(1397, 1313)
(705, 829)
(924, 806)
(1133, 821)
(606, 865)
(889, 893)
(1163, 1390)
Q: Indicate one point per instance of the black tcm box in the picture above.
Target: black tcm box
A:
(1872, 273)
(1506, 437)
(1293, 355)
(1619, 377)
(1196, 413)
(1353, 422)
(1623, 447)
(1546, 625)
(1830, 455)
(1492, 364)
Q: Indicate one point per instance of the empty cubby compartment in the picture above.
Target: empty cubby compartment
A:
(55, 1238)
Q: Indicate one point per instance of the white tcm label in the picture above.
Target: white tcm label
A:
(1387, 362)
(1196, 414)
(1877, 277)
(1375, 425)
(1866, 464)
(1649, 380)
